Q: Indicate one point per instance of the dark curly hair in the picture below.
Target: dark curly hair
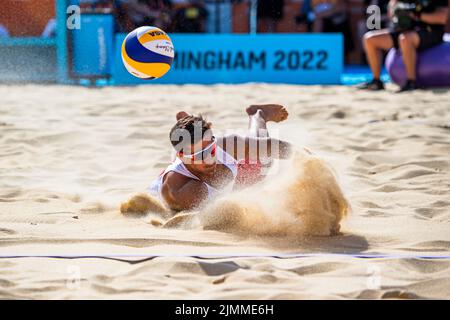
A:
(188, 130)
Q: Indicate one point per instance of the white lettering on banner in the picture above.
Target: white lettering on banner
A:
(102, 48)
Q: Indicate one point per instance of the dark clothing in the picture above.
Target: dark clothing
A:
(437, 27)
(128, 19)
(270, 9)
(428, 38)
(430, 34)
(190, 19)
(383, 4)
(341, 24)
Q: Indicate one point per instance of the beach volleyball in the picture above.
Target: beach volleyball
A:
(147, 53)
(285, 149)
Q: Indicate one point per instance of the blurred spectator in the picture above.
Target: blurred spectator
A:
(50, 29)
(3, 31)
(131, 14)
(415, 31)
(306, 15)
(96, 5)
(190, 18)
(270, 12)
(327, 16)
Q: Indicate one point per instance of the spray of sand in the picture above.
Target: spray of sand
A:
(303, 198)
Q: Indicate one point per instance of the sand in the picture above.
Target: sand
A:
(70, 155)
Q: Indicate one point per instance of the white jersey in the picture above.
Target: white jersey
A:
(179, 167)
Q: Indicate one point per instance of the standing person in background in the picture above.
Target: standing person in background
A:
(306, 15)
(190, 18)
(418, 31)
(270, 12)
(327, 16)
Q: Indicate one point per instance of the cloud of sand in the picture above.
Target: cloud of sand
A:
(304, 198)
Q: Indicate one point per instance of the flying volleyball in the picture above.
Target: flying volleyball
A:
(147, 53)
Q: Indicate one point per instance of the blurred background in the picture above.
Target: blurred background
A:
(19, 18)
(30, 18)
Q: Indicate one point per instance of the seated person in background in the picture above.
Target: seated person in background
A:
(327, 16)
(132, 14)
(190, 18)
(362, 24)
(413, 30)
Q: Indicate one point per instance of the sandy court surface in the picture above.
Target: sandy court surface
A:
(70, 155)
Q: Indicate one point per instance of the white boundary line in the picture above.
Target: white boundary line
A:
(225, 256)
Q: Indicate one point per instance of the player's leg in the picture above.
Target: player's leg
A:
(259, 115)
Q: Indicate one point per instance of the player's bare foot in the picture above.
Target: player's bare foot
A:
(181, 115)
(270, 112)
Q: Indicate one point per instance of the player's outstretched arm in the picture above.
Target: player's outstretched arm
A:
(182, 193)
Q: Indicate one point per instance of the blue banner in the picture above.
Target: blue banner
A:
(93, 45)
(234, 58)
